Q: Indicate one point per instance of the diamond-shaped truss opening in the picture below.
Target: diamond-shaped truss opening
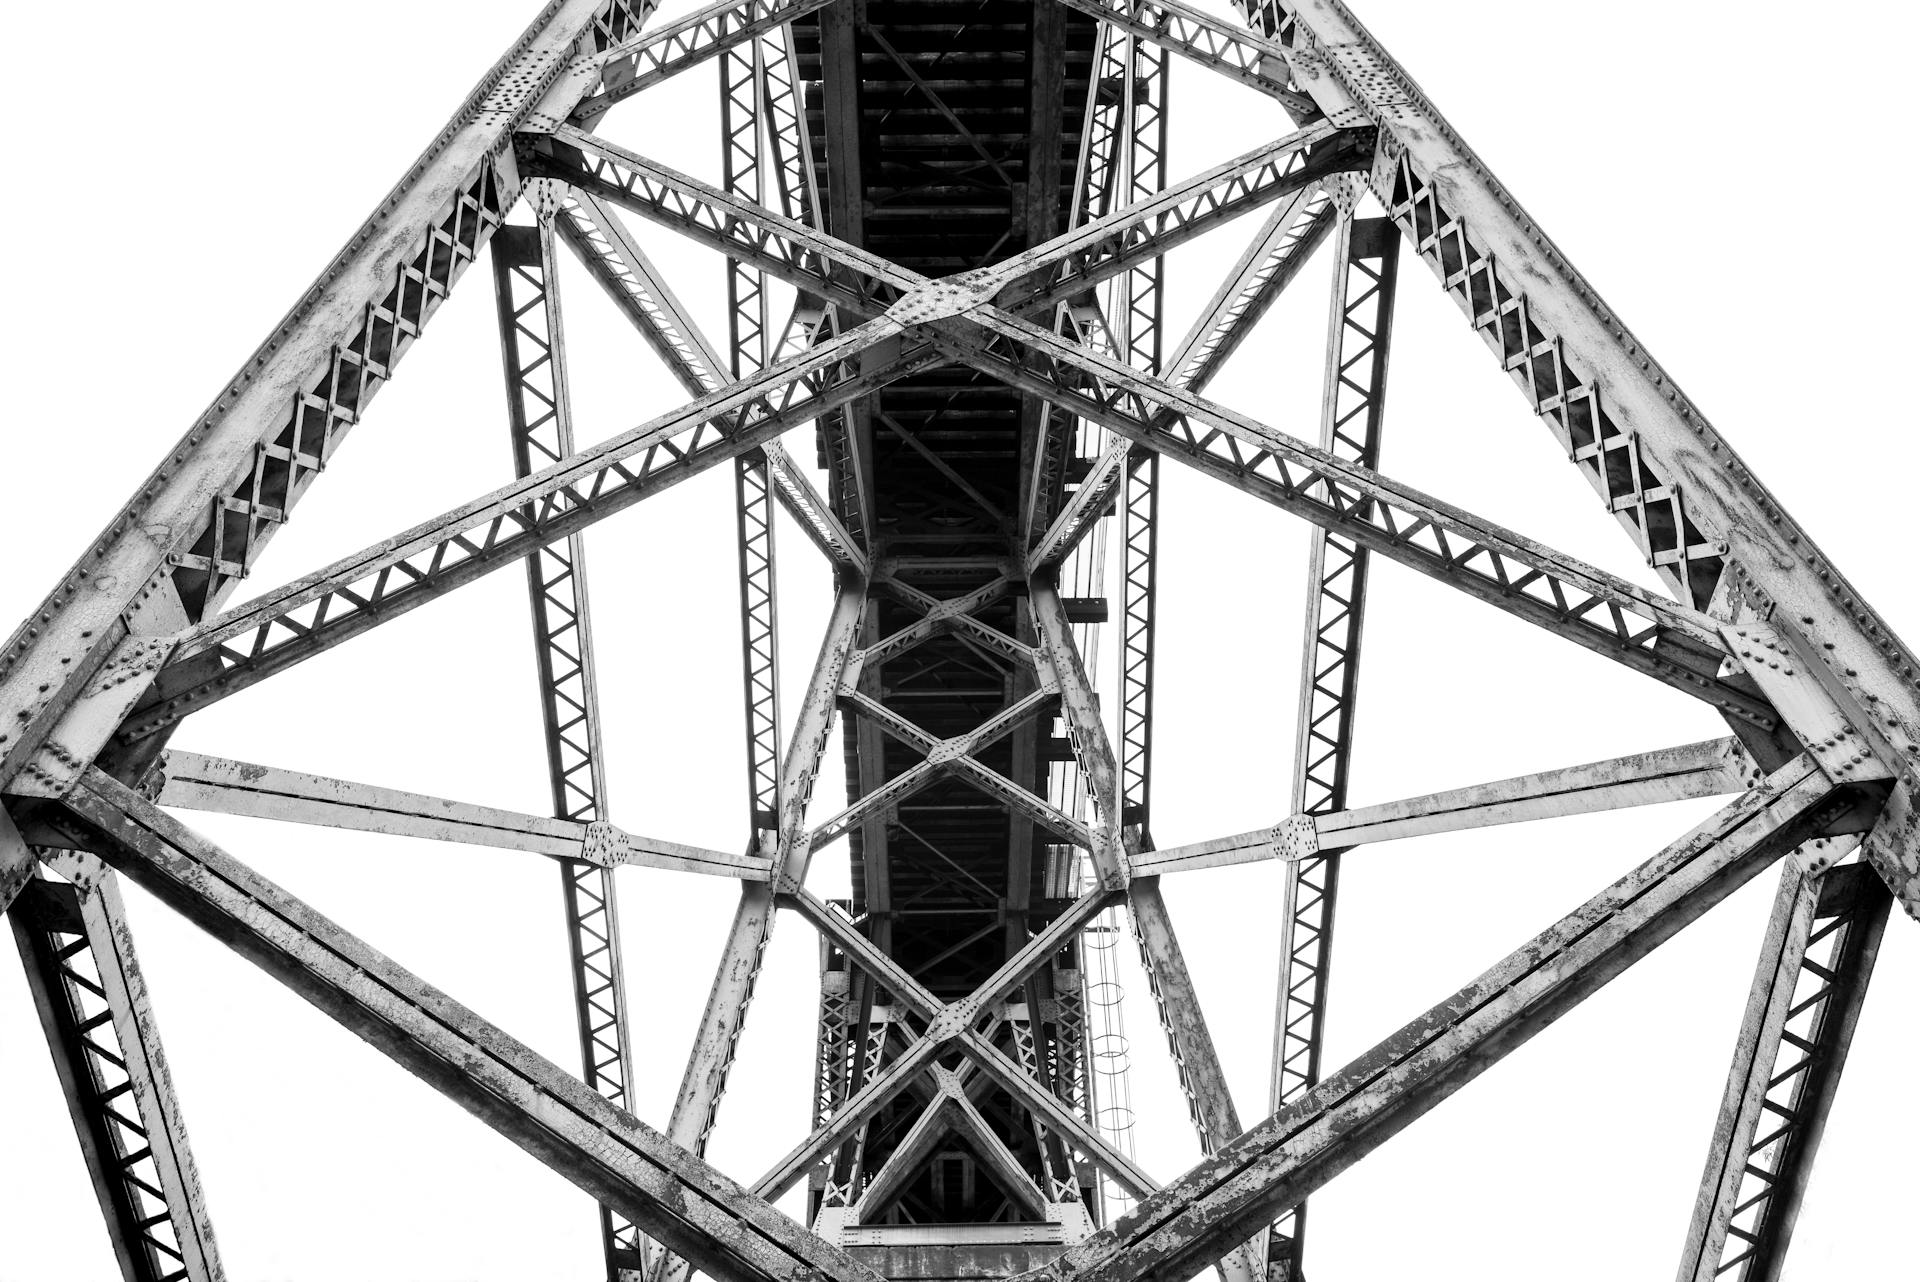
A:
(990, 766)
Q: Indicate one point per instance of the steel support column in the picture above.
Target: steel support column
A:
(540, 426)
(99, 1021)
(1353, 398)
(1815, 962)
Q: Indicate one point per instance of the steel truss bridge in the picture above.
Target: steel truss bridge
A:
(970, 201)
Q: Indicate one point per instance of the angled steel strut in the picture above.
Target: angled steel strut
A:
(944, 229)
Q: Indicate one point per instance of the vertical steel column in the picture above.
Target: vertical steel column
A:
(93, 1003)
(1140, 340)
(532, 346)
(744, 165)
(1366, 259)
(1807, 991)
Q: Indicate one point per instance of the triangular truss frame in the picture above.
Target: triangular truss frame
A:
(1821, 698)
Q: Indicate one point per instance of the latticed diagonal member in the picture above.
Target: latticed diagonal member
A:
(1815, 963)
(93, 1003)
(1353, 402)
(539, 417)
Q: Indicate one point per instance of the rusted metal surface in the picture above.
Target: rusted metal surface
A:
(972, 202)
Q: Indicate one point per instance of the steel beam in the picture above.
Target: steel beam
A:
(323, 609)
(1352, 406)
(540, 430)
(1270, 262)
(657, 1184)
(1526, 579)
(1151, 225)
(16, 861)
(1277, 1162)
(636, 65)
(195, 782)
(99, 1020)
(1815, 963)
(1202, 39)
(1037, 279)
(201, 520)
(596, 235)
(1599, 611)
(704, 1082)
(1695, 510)
(1709, 769)
(1177, 1001)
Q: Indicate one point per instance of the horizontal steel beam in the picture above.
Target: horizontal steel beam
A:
(1273, 1166)
(1713, 768)
(660, 1186)
(196, 782)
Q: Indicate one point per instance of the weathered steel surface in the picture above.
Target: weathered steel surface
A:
(971, 198)
(1815, 962)
(1710, 769)
(1276, 1163)
(266, 434)
(654, 1182)
(99, 1020)
(196, 782)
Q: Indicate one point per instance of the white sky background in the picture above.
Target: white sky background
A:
(1721, 175)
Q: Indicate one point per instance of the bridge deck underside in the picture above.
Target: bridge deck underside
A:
(934, 176)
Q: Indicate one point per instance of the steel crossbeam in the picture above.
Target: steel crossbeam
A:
(609, 252)
(1629, 624)
(1599, 611)
(656, 1183)
(1815, 962)
(313, 614)
(1032, 281)
(1276, 1163)
(950, 1023)
(99, 1020)
(1710, 769)
(1200, 38)
(195, 782)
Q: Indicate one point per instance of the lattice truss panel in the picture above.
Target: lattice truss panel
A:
(943, 230)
